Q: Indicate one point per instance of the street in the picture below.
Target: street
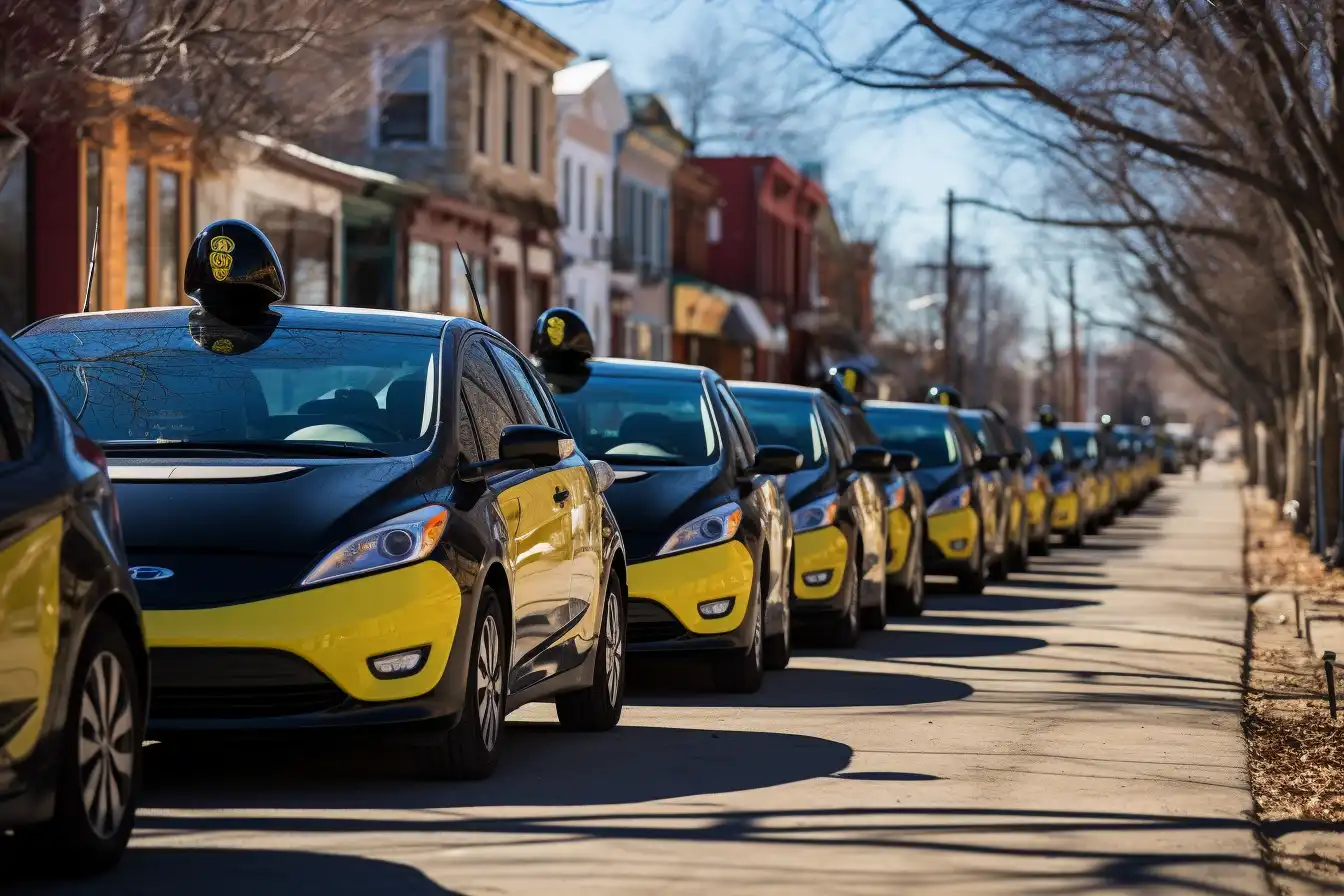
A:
(1076, 729)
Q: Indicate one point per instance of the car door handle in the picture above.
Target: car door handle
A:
(561, 495)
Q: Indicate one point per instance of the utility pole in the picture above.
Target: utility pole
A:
(982, 337)
(1052, 352)
(1093, 412)
(951, 271)
(1075, 361)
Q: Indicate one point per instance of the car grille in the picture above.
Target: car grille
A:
(235, 683)
(648, 621)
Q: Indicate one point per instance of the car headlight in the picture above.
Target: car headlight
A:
(895, 493)
(957, 499)
(406, 539)
(818, 514)
(714, 527)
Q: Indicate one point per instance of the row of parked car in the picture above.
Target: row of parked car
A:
(250, 517)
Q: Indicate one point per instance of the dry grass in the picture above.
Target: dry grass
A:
(1278, 560)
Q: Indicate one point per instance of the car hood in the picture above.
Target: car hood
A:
(934, 481)
(806, 486)
(230, 540)
(650, 504)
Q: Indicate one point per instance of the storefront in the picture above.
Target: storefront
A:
(436, 278)
(725, 330)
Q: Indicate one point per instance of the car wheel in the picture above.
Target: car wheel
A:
(1074, 538)
(743, 671)
(909, 595)
(1092, 527)
(973, 580)
(470, 749)
(845, 629)
(100, 764)
(598, 706)
(779, 646)
(1022, 555)
(874, 618)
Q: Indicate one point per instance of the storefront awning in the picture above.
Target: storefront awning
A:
(699, 309)
(747, 325)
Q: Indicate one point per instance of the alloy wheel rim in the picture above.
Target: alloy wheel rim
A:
(758, 637)
(615, 650)
(489, 683)
(106, 749)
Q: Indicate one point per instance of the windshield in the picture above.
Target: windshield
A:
(926, 435)
(664, 422)
(303, 387)
(1082, 442)
(1043, 440)
(786, 420)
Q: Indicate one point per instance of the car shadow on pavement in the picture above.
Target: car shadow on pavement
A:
(894, 644)
(1047, 584)
(228, 872)
(542, 765)
(1006, 603)
(677, 684)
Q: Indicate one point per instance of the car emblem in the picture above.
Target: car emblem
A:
(150, 573)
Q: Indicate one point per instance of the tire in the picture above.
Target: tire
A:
(470, 749)
(779, 646)
(844, 631)
(873, 619)
(742, 672)
(1091, 527)
(1041, 548)
(598, 706)
(1022, 553)
(907, 598)
(973, 581)
(1075, 538)
(105, 724)
(998, 570)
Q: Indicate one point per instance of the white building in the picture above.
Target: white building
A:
(590, 112)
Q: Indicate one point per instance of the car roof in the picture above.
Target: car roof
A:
(621, 368)
(774, 388)
(297, 317)
(923, 407)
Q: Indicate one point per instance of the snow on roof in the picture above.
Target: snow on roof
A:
(577, 78)
(369, 175)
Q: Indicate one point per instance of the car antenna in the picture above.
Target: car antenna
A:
(471, 283)
(93, 259)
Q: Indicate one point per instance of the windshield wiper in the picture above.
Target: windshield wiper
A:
(651, 460)
(245, 447)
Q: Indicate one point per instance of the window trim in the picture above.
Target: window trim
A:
(438, 97)
(42, 411)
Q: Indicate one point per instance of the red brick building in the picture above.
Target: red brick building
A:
(766, 248)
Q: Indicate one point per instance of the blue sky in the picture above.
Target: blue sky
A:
(917, 157)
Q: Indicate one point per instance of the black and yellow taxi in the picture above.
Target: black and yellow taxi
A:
(997, 441)
(1070, 503)
(1036, 473)
(960, 504)
(345, 519)
(1093, 450)
(1134, 443)
(74, 669)
(695, 494)
(1124, 467)
(838, 582)
(845, 384)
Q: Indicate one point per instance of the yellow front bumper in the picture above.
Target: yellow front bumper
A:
(957, 525)
(899, 532)
(1064, 518)
(336, 627)
(1036, 502)
(682, 582)
(820, 550)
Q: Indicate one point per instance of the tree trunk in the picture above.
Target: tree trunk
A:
(1327, 431)
(1250, 449)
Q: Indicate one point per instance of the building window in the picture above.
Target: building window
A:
(483, 104)
(426, 276)
(714, 226)
(599, 207)
(93, 200)
(459, 299)
(566, 187)
(169, 230)
(15, 310)
(509, 85)
(137, 236)
(410, 90)
(305, 242)
(645, 216)
(534, 128)
(583, 198)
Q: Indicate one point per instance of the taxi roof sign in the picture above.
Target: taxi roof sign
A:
(943, 395)
(1046, 416)
(562, 339)
(835, 385)
(232, 266)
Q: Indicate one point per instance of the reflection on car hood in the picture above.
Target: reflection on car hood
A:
(228, 542)
(933, 481)
(805, 486)
(650, 504)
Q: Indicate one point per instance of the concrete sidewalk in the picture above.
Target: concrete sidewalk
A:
(1076, 730)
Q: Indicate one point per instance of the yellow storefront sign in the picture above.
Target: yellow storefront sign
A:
(697, 311)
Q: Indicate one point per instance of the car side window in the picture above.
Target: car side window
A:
(17, 416)
(467, 445)
(487, 396)
(744, 430)
(524, 391)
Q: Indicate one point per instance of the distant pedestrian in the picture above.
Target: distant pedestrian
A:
(1197, 458)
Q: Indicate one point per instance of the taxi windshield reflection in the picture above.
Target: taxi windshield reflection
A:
(642, 422)
(300, 390)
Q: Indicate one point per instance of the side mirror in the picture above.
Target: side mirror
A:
(1014, 459)
(871, 459)
(1076, 463)
(531, 445)
(776, 460)
(904, 461)
(1048, 459)
(991, 462)
(603, 475)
